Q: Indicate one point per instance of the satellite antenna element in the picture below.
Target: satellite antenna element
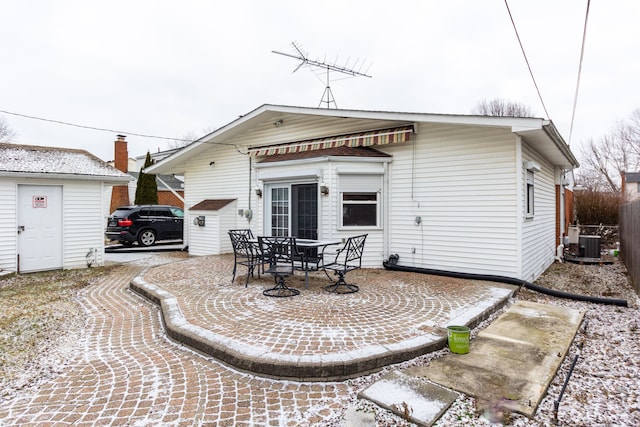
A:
(325, 68)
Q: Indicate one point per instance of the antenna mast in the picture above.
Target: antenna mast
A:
(323, 66)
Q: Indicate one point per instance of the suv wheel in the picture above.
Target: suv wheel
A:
(147, 238)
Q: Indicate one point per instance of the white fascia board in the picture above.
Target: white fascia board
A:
(75, 177)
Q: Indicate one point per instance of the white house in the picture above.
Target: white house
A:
(51, 207)
(474, 194)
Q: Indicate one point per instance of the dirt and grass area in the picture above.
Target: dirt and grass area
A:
(40, 316)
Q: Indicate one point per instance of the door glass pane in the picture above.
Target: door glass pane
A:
(305, 215)
(280, 211)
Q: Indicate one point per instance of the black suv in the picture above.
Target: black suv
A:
(145, 224)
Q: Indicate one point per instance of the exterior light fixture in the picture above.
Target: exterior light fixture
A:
(278, 123)
(258, 192)
(324, 190)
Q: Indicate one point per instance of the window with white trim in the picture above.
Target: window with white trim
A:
(529, 205)
(360, 196)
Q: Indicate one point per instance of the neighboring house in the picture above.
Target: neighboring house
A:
(631, 186)
(52, 212)
(473, 194)
(170, 187)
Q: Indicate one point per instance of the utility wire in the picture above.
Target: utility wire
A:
(525, 58)
(93, 128)
(575, 98)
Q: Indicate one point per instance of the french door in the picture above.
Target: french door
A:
(292, 210)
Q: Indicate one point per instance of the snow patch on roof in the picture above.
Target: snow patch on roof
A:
(53, 160)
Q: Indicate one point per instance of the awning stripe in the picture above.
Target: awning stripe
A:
(361, 139)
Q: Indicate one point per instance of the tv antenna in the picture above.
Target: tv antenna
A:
(325, 67)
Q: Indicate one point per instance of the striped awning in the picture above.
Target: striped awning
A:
(361, 139)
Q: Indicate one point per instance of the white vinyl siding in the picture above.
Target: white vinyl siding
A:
(8, 225)
(538, 232)
(83, 223)
(460, 182)
(226, 178)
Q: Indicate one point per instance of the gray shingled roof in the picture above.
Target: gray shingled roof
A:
(34, 159)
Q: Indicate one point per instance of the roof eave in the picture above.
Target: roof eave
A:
(104, 178)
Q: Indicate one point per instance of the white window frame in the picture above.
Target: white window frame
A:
(360, 184)
(529, 202)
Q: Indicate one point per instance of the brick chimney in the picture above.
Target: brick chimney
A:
(623, 186)
(120, 193)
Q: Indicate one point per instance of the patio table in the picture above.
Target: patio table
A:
(306, 247)
(305, 252)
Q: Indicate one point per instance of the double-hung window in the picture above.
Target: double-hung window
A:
(360, 200)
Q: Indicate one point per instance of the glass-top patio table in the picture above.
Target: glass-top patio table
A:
(311, 253)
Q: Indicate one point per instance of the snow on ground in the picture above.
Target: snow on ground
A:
(603, 389)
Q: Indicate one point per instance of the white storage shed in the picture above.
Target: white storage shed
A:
(51, 207)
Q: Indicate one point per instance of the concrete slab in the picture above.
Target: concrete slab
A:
(355, 418)
(512, 362)
(410, 397)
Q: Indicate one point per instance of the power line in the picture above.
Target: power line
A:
(525, 58)
(575, 98)
(93, 128)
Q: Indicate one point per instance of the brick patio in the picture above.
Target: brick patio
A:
(127, 372)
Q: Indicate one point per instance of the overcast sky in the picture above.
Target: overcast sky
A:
(170, 68)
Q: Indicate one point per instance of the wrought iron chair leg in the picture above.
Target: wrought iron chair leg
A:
(341, 286)
(280, 290)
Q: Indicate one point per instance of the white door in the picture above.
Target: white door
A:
(39, 227)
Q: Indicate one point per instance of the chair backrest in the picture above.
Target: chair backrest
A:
(243, 231)
(278, 250)
(353, 249)
(240, 241)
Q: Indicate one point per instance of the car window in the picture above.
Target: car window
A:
(145, 212)
(121, 213)
(160, 212)
(177, 212)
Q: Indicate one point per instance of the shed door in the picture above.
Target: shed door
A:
(39, 227)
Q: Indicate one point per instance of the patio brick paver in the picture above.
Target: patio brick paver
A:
(126, 372)
(316, 335)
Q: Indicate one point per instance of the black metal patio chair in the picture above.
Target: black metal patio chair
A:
(347, 258)
(246, 252)
(279, 254)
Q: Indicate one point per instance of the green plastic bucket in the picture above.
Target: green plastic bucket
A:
(458, 338)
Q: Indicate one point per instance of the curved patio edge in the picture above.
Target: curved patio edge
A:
(326, 367)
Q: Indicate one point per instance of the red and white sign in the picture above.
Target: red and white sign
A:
(39, 201)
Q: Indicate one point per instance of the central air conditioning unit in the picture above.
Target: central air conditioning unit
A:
(590, 246)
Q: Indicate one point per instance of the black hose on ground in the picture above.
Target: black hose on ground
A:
(391, 264)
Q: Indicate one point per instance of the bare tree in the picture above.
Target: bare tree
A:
(605, 159)
(6, 133)
(188, 138)
(502, 108)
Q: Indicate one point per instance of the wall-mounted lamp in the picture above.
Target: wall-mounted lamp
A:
(278, 123)
(258, 192)
(324, 190)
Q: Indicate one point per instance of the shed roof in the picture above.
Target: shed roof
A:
(211, 204)
(33, 160)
